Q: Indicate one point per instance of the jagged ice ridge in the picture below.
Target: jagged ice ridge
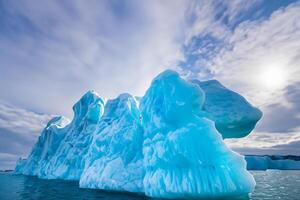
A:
(168, 144)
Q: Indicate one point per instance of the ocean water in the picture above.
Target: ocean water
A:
(271, 185)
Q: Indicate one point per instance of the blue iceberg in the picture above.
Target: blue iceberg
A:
(166, 144)
(184, 155)
(257, 162)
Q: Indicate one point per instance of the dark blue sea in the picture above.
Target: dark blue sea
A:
(270, 185)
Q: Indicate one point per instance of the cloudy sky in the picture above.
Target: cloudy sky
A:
(51, 52)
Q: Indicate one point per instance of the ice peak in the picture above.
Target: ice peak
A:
(58, 121)
(90, 105)
(124, 103)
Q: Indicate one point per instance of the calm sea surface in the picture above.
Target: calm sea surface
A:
(271, 185)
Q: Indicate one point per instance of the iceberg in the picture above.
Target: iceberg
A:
(166, 144)
(184, 155)
(256, 162)
(115, 157)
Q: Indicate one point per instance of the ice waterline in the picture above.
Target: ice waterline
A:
(168, 144)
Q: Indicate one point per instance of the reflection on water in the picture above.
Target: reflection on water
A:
(271, 185)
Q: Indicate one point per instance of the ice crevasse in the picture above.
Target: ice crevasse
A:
(166, 144)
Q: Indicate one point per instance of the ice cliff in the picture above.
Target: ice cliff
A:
(62, 146)
(115, 157)
(167, 144)
(45, 148)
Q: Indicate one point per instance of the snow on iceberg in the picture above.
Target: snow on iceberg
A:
(234, 117)
(184, 155)
(115, 158)
(168, 145)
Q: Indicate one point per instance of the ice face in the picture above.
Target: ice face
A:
(115, 159)
(20, 166)
(167, 145)
(234, 117)
(69, 160)
(45, 147)
(60, 150)
(184, 155)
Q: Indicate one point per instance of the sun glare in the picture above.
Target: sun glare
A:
(273, 77)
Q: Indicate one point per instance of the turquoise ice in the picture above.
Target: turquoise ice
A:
(44, 149)
(69, 159)
(166, 144)
(184, 155)
(60, 150)
(115, 157)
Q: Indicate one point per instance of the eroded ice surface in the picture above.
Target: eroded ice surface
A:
(184, 155)
(115, 158)
(60, 150)
(45, 148)
(167, 145)
(69, 161)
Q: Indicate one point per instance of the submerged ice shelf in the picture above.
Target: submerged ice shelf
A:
(167, 145)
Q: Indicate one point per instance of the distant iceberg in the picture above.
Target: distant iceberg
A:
(255, 162)
(166, 144)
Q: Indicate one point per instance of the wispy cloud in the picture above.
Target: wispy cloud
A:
(257, 56)
(19, 130)
(21, 121)
(267, 143)
(60, 50)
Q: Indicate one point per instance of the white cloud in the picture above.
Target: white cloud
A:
(258, 58)
(260, 47)
(22, 121)
(67, 49)
(19, 130)
(266, 143)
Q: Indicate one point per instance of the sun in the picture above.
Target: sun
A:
(273, 77)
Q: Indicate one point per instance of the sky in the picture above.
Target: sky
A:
(52, 52)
